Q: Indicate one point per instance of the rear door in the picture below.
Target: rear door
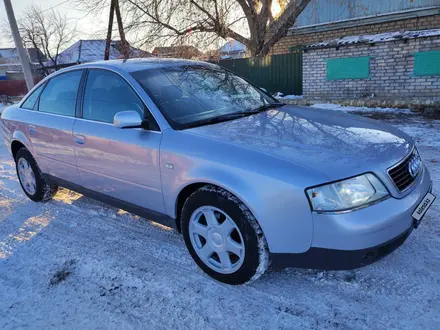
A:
(121, 163)
(50, 125)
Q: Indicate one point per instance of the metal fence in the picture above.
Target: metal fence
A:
(277, 73)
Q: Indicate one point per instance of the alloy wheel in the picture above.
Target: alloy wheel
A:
(216, 239)
(27, 176)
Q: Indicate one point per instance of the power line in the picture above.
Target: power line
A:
(61, 3)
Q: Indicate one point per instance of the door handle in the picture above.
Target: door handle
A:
(32, 129)
(79, 139)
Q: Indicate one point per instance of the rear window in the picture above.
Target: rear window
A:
(32, 99)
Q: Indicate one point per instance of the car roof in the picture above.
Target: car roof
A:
(136, 64)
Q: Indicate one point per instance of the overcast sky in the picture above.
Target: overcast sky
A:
(90, 27)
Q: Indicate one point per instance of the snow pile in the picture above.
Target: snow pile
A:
(232, 46)
(375, 38)
(338, 107)
(280, 95)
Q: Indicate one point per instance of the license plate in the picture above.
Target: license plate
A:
(423, 206)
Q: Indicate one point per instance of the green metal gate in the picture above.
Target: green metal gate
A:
(277, 73)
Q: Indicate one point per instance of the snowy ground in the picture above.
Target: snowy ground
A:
(75, 263)
(365, 110)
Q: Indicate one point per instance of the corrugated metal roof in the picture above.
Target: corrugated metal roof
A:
(318, 12)
(374, 38)
(11, 54)
(93, 50)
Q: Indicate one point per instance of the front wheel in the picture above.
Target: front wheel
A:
(223, 236)
(31, 180)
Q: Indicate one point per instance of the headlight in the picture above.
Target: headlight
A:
(347, 194)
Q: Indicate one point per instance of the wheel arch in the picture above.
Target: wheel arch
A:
(192, 187)
(183, 196)
(15, 147)
(18, 141)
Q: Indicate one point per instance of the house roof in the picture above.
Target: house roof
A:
(177, 50)
(8, 52)
(374, 38)
(93, 50)
(11, 54)
(232, 46)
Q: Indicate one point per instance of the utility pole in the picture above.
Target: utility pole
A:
(114, 7)
(109, 31)
(24, 59)
(125, 49)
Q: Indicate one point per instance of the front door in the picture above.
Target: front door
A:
(50, 126)
(121, 163)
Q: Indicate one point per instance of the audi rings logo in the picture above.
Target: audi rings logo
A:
(414, 166)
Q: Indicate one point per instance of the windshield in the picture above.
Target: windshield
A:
(192, 95)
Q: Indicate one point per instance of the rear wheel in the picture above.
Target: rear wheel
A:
(223, 237)
(31, 180)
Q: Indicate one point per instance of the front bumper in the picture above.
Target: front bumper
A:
(372, 225)
(329, 259)
(355, 239)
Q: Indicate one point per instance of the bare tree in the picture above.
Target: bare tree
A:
(47, 31)
(114, 8)
(251, 22)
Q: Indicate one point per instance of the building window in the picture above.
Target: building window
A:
(348, 68)
(427, 63)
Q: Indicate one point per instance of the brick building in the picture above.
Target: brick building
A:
(381, 46)
(331, 20)
(387, 65)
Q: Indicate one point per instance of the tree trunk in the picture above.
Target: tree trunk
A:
(109, 31)
(125, 46)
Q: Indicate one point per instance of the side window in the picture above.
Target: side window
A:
(32, 99)
(59, 96)
(107, 94)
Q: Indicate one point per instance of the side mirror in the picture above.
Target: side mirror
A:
(127, 119)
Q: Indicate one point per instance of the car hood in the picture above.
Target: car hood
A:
(334, 143)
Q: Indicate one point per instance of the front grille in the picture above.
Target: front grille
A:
(400, 173)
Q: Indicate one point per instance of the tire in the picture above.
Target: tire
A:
(42, 190)
(236, 258)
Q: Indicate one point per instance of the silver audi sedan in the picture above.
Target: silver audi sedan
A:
(247, 180)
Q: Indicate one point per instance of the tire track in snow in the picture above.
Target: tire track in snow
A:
(132, 274)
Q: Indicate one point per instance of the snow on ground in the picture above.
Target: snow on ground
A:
(423, 130)
(76, 263)
(281, 96)
(338, 107)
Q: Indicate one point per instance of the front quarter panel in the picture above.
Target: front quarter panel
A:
(280, 207)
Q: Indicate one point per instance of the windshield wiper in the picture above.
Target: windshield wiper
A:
(219, 119)
(267, 107)
(234, 115)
